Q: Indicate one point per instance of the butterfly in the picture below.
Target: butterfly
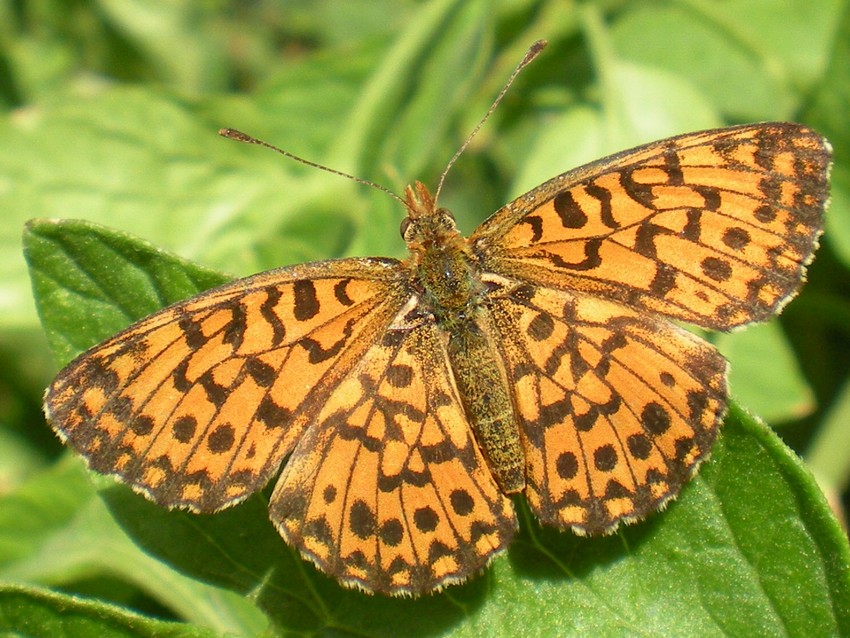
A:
(407, 400)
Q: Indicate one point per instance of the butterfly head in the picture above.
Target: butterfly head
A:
(426, 225)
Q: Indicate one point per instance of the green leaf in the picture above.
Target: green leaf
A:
(47, 502)
(748, 538)
(120, 168)
(827, 454)
(157, 29)
(55, 529)
(43, 613)
(776, 391)
(91, 281)
(772, 55)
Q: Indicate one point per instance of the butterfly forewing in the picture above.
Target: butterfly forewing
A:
(197, 405)
(713, 228)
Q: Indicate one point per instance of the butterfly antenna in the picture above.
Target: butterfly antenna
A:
(533, 51)
(239, 136)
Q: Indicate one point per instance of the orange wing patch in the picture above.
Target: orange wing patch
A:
(197, 405)
(617, 408)
(713, 228)
(389, 491)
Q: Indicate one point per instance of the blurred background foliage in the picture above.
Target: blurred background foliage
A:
(111, 109)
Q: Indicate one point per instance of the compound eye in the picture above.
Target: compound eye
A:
(405, 224)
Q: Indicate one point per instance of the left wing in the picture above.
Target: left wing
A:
(388, 490)
(197, 405)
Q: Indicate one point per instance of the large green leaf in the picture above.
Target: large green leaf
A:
(749, 538)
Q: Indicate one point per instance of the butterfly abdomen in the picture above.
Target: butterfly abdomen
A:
(486, 400)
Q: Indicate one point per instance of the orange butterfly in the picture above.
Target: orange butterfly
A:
(407, 399)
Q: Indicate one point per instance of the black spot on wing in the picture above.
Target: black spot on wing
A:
(306, 301)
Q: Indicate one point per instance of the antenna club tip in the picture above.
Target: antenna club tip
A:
(233, 134)
(533, 51)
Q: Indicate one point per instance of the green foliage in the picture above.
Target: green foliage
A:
(111, 113)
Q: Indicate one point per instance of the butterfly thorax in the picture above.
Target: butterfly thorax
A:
(441, 262)
(444, 271)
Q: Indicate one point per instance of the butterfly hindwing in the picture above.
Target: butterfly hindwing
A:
(714, 228)
(197, 405)
(616, 408)
(388, 490)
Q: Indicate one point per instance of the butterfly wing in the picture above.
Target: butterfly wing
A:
(714, 228)
(617, 408)
(197, 405)
(388, 491)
